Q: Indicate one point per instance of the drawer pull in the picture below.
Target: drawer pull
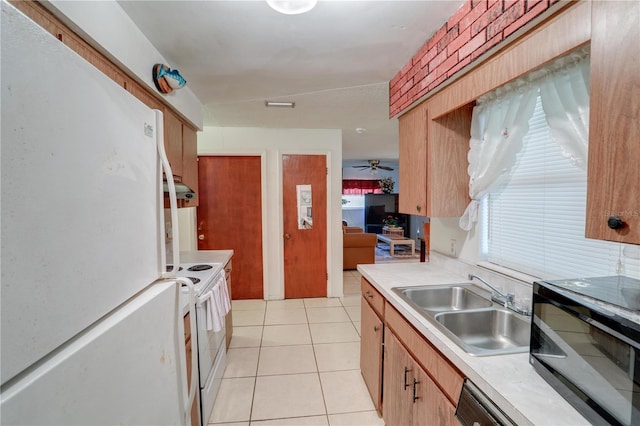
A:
(368, 294)
(376, 328)
(415, 396)
(406, 385)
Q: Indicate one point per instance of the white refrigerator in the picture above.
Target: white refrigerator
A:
(92, 329)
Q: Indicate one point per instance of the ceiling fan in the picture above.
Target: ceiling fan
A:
(374, 165)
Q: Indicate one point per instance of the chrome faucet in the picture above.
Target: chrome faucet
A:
(508, 299)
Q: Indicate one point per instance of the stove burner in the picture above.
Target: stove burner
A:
(171, 266)
(193, 280)
(197, 268)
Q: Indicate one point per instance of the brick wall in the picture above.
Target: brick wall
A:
(475, 28)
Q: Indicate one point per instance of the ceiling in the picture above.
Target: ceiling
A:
(334, 62)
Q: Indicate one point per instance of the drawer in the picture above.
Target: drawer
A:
(372, 296)
(443, 373)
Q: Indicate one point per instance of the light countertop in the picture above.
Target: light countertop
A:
(509, 380)
(206, 256)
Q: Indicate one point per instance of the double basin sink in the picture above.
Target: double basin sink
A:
(466, 314)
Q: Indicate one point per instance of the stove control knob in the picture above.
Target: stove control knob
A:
(615, 222)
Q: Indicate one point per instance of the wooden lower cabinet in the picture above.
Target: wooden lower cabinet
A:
(397, 405)
(188, 343)
(410, 396)
(371, 329)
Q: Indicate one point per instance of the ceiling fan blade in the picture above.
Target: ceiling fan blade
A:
(360, 167)
(385, 168)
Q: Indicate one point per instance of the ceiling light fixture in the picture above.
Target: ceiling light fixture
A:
(292, 7)
(360, 130)
(279, 104)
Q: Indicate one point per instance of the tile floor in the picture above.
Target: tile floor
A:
(296, 362)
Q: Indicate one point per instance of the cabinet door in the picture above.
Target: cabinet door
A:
(614, 122)
(371, 351)
(413, 161)
(195, 415)
(397, 404)
(430, 406)
(228, 319)
(190, 163)
(173, 141)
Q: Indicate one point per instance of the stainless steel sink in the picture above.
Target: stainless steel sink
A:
(444, 298)
(466, 314)
(487, 331)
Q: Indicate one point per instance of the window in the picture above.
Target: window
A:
(361, 187)
(535, 219)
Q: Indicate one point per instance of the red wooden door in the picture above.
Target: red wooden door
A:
(305, 249)
(230, 217)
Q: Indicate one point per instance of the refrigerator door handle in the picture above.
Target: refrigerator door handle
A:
(194, 353)
(173, 200)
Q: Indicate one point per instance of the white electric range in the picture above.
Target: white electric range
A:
(207, 279)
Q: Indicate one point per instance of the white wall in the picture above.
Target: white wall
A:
(467, 243)
(106, 26)
(271, 144)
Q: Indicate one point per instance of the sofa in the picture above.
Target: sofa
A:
(358, 247)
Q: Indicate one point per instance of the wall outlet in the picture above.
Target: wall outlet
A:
(453, 249)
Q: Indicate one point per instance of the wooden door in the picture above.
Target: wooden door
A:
(371, 352)
(230, 217)
(305, 250)
(397, 404)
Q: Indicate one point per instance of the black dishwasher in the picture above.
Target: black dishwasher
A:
(476, 409)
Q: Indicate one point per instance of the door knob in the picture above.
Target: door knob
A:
(287, 236)
(201, 237)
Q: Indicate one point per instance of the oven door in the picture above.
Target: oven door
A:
(590, 356)
(209, 341)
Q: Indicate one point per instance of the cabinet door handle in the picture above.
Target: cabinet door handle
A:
(406, 385)
(368, 294)
(376, 328)
(614, 222)
(418, 207)
(415, 396)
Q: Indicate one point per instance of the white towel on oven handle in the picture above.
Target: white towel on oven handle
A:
(217, 304)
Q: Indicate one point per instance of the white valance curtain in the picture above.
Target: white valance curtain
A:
(501, 119)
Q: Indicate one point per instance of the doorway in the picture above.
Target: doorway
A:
(229, 216)
(304, 210)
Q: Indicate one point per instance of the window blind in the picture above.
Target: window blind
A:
(536, 217)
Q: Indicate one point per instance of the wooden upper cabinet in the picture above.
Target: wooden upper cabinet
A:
(613, 188)
(143, 95)
(412, 128)
(173, 142)
(433, 162)
(447, 176)
(190, 163)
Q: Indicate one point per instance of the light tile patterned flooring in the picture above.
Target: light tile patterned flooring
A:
(296, 362)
